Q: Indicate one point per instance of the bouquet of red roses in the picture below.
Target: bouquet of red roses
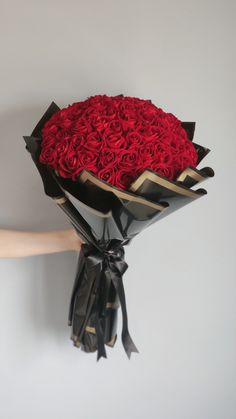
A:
(115, 165)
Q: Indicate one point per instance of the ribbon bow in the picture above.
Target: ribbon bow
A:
(113, 266)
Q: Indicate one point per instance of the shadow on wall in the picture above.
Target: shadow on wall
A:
(24, 206)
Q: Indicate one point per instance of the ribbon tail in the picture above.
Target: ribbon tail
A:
(101, 351)
(127, 341)
(128, 344)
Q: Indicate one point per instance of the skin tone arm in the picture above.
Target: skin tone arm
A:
(17, 243)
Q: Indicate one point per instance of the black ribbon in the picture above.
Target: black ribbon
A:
(113, 266)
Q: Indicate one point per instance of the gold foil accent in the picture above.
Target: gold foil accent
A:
(191, 173)
(90, 329)
(75, 340)
(85, 175)
(163, 182)
(73, 337)
(112, 342)
(60, 199)
(113, 305)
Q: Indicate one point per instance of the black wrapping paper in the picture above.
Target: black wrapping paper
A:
(107, 219)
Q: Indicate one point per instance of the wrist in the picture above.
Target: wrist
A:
(74, 240)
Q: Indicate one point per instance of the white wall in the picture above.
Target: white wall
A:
(180, 285)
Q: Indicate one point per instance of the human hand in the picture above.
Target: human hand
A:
(75, 240)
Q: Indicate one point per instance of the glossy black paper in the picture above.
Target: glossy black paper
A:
(108, 218)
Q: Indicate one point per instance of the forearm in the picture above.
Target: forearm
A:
(16, 243)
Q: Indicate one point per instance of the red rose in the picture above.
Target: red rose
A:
(127, 117)
(135, 138)
(98, 123)
(66, 123)
(113, 140)
(109, 113)
(49, 140)
(48, 155)
(146, 153)
(88, 160)
(75, 111)
(93, 141)
(147, 116)
(171, 120)
(115, 126)
(82, 126)
(124, 178)
(163, 169)
(62, 147)
(108, 174)
(130, 159)
(77, 142)
(68, 165)
(52, 129)
(109, 158)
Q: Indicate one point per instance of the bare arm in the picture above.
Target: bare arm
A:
(17, 243)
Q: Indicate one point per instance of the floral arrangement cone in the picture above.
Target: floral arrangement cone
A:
(108, 218)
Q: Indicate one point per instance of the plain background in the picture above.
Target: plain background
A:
(180, 285)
